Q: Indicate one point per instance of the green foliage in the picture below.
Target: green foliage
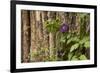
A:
(84, 39)
(87, 44)
(74, 47)
(44, 54)
(79, 45)
(52, 25)
(53, 58)
(72, 39)
(63, 39)
(82, 57)
(75, 58)
(33, 53)
(70, 55)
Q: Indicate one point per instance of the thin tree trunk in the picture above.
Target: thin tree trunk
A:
(57, 37)
(25, 36)
(39, 32)
(33, 48)
(51, 36)
(45, 34)
(78, 24)
(73, 22)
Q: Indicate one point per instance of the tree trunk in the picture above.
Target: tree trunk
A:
(25, 36)
(33, 48)
(39, 33)
(45, 34)
(73, 22)
(77, 24)
(51, 36)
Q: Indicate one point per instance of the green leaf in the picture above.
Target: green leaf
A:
(62, 39)
(69, 41)
(73, 39)
(76, 39)
(74, 58)
(68, 36)
(70, 55)
(51, 26)
(74, 47)
(82, 57)
(86, 38)
(87, 44)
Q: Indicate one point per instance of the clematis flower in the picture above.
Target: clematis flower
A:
(64, 28)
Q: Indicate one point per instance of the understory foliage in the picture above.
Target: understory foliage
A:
(67, 39)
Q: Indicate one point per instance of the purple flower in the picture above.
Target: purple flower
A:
(64, 28)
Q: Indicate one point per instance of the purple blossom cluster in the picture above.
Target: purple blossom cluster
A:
(64, 27)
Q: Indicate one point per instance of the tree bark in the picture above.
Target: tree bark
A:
(33, 48)
(45, 33)
(73, 22)
(25, 36)
(39, 33)
(78, 24)
(51, 36)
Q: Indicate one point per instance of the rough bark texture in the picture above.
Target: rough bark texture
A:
(33, 33)
(25, 36)
(45, 34)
